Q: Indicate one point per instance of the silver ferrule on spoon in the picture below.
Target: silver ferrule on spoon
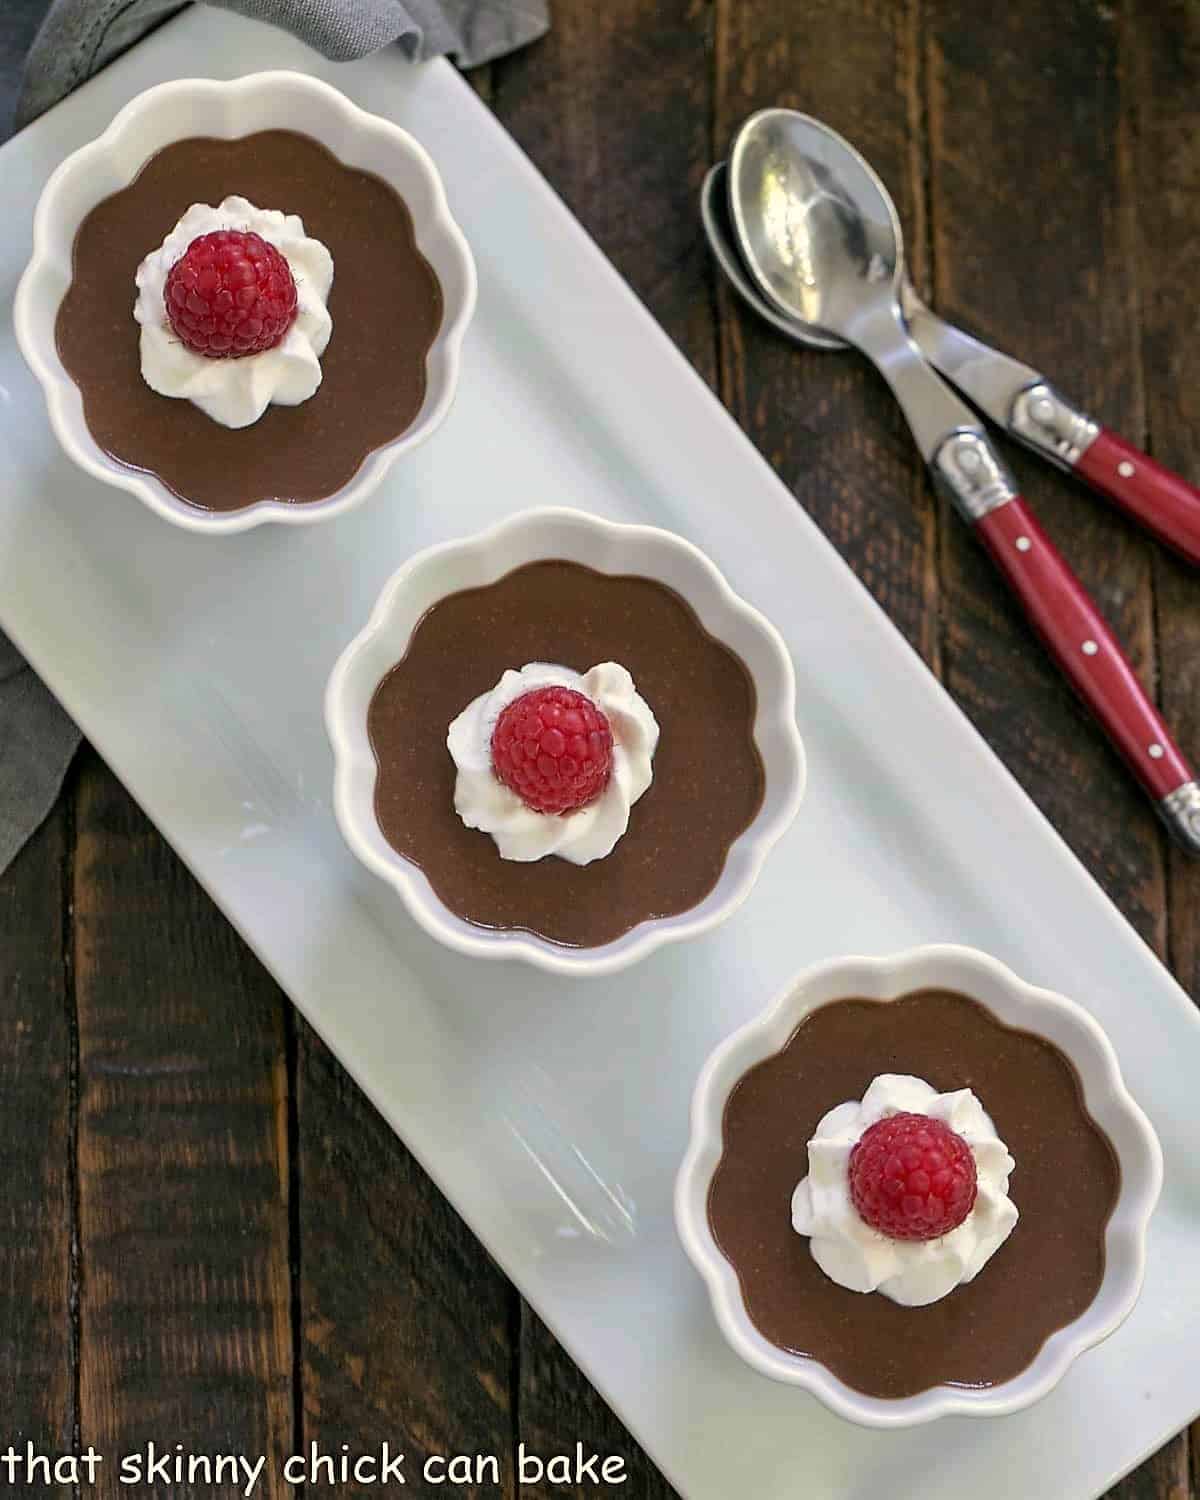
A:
(969, 470)
(1047, 422)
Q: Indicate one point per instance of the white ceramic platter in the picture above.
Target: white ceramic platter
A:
(197, 664)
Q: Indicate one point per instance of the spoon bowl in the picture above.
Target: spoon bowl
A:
(714, 213)
(817, 230)
(820, 239)
(718, 230)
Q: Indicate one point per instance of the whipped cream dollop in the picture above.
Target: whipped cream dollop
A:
(483, 801)
(236, 392)
(859, 1257)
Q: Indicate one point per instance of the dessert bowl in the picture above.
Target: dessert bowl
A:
(191, 108)
(1014, 1003)
(607, 548)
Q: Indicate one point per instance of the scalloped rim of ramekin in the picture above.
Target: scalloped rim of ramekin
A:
(482, 559)
(1015, 1003)
(36, 309)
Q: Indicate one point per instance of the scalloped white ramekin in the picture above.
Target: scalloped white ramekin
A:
(1060, 1021)
(572, 536)
(207, 107)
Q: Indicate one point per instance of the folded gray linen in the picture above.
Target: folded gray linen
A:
(79, 36)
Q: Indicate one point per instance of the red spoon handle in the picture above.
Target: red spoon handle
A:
(1163, 502)
(1084, 647)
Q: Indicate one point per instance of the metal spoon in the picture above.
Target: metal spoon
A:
(1013, 395)
(821, 243)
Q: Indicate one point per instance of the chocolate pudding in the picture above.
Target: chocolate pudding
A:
(386, 306)
(708, 777)
(1064, 1185)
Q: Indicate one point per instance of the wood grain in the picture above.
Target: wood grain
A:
(408, 1329)
(1030, 248)
(37, 1225)
(1161, 184)
(183, 1209)
(614, 106)
(1161, 77)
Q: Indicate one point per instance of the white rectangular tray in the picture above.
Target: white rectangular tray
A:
(553, 1115)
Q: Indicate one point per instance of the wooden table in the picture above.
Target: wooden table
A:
(208, 1234)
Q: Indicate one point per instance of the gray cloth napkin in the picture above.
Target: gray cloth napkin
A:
(37, 741)
(77, 37)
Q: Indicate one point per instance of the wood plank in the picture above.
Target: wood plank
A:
(614, 106)
(1162, 73)
(183, 1159)
(825, 421)
(1030, 249)
(37, 1269)
(408, 1329)
(1162, 66)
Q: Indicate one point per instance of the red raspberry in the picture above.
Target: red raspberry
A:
(553, 747)
(230, 293)
(912, 1177)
